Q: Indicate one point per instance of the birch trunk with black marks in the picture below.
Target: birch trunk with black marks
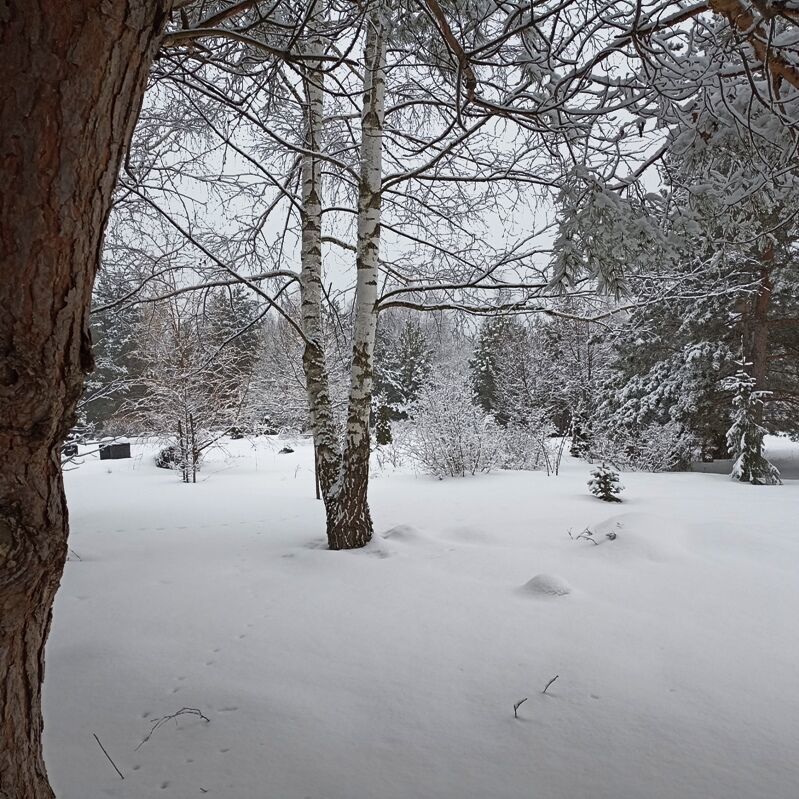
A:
(317, 381)
(73, 77)
(349, 523)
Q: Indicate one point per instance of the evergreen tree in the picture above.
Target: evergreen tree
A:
(383, 435)
(402, 368)
(605, 484)
(231, 326)
(745, 436)
(113, 331)
(577, 363)
(498, 337)
(669, 366)
(547, 367)
(230, 330)
(731, 211)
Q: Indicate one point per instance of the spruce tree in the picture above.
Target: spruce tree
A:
(605, 484)
(402, 367)
(113, 331)
(734, 263)
(495, 342)
(745, 436)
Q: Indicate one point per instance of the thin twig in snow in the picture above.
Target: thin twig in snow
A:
(184, 711)
(550, 683)
(517, 706)
(121, 775)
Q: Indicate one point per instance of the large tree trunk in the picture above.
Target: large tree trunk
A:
(73, 75)
(759, 321)
(349, 520)
(755, 325)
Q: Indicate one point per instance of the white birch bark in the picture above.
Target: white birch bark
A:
(323, 424)
(350, 524)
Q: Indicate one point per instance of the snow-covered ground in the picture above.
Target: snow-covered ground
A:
(392, 672)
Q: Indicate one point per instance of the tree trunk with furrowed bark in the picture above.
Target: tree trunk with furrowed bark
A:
(759, 346)
(73, 78)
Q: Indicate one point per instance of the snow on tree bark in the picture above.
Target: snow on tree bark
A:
(344, 475)
(350, 523)
(760, 323)
(323, 423)
(74, 75)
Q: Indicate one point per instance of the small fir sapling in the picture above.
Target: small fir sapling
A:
(745, 436)
(604, 483)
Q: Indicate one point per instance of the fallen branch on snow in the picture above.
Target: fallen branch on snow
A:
(121, 775)
(184, 711)
(550, 683)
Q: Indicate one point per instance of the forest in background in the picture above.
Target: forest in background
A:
(492, 180)
(604, 253)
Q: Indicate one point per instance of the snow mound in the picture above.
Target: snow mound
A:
(402, 532)
(379, 548)
(641, 535)
(547, 585)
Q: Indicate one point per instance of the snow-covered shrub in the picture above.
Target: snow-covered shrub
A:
(745, 436)
(392, 454)
(605, 484)
(653, 448)
(528, 446)
(168, 458)
(180, 458)
(448, 435)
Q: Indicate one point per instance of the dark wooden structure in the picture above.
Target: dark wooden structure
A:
(113, 452)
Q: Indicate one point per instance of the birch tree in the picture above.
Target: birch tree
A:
(349, 519)
(332, 152)
(463, 108)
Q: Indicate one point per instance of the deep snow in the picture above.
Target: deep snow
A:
(392, 672)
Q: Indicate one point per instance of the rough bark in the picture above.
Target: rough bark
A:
(759, 322)
(349, 520)
(317, 381)
(744, 23)
(74, 74)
